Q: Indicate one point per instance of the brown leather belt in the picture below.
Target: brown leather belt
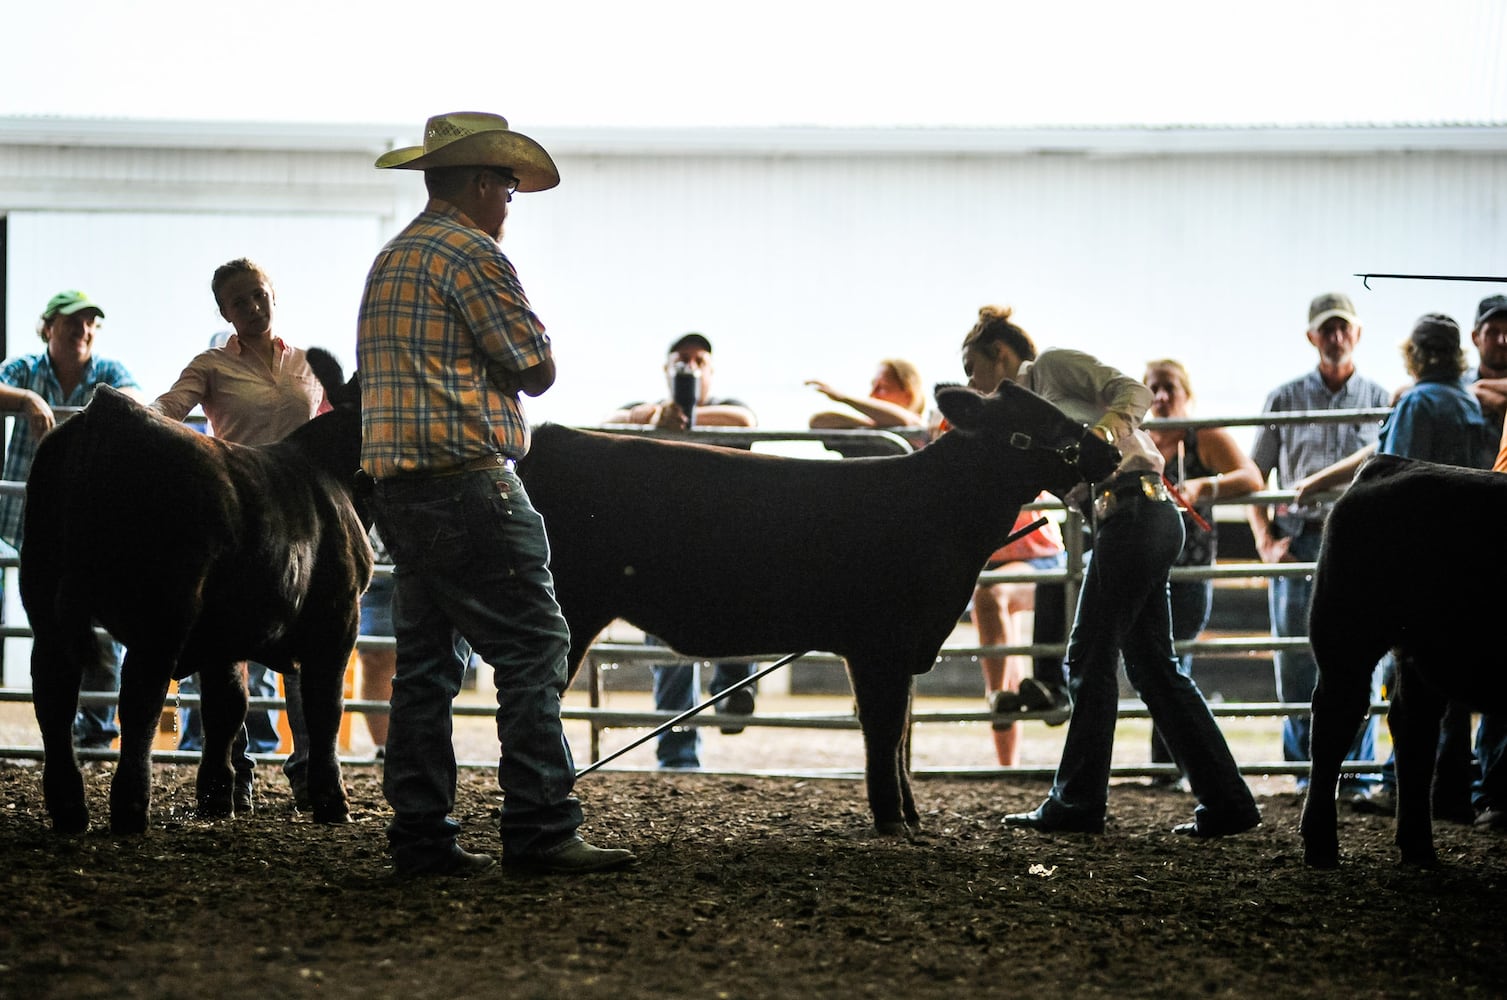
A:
(482, 464)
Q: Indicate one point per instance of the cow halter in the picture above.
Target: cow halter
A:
(1070, 454)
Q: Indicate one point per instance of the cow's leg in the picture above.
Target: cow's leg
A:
(584, 627)
(907, 799)
(143, 689)
(55, 679)
(322, 682)
(1340, 703)
(222, 714)
(883, 695)
(1413, 717)
(1454, 769)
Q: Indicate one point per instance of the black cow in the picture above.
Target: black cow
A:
(1373, 591)
(723, 553)
(195, 554)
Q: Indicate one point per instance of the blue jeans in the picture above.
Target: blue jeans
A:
(95, 725)
(676, 686)
(1461, 776)
(1123, 610)
(1297, 673)
(1491, 749)
(470, 556)
(261, 724)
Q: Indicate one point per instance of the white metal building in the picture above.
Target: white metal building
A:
(802, 253)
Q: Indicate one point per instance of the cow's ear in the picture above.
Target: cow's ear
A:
(326, 368)
(959, 404)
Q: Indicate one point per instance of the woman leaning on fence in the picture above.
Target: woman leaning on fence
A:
(1204, 464)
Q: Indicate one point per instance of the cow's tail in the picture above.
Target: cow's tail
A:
(81, 548)
(55, 583)
(1345, 583)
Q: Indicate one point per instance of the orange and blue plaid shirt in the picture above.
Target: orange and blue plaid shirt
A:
(442, 304)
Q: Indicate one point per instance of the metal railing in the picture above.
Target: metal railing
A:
(610, 652)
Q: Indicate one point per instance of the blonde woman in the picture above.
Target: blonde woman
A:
(897, 398)
(1204, 464)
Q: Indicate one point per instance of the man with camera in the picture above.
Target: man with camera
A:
(688, 377)
(689, 363)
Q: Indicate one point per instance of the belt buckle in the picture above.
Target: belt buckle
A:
(1154, 488)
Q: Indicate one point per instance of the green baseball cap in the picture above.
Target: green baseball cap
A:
(68, 303)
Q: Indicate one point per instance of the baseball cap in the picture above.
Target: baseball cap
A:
(1435, 332)
(1489, 307)
(68, 303)
(691, 340)
(1331, 304)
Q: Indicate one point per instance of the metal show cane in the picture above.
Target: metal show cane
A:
(697, 710)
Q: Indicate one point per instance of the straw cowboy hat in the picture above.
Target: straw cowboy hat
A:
(477, 139)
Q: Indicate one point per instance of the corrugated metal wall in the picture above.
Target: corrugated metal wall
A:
(802, 268)
(813, 262)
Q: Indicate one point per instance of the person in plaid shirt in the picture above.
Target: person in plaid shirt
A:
(446, 342)
(63, 375)
(1293, 532)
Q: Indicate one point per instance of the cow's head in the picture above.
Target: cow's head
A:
(1028, 434)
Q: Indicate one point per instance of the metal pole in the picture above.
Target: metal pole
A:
(697, 710)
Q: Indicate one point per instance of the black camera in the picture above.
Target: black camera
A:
(685, 389)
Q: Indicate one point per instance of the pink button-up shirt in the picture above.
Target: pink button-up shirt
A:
(244, 401)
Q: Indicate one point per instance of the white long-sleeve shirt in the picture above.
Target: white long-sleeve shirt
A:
(1087, 389)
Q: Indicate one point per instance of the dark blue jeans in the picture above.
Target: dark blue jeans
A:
(96, 725)
(1123, 611)
(261, 724)
(676, 686)
(1463, 777)
(470, 556)
(1297, 673)
(1190, 602)
(1491, 749)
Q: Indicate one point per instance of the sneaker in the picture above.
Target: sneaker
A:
(93, 741)
(455, 863)
(739, 702)
(1492, 818)
(1004, 702)
(574, 857)
(1005, 707)
(1038, 696)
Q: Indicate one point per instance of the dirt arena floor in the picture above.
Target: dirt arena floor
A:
(748, 886)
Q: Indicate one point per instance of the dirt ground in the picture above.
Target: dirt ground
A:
(748, 886)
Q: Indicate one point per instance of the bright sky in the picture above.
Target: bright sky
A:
(777, 62)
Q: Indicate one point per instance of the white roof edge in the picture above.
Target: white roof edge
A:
(188, 134)
(1106, 141)
(1146, 140)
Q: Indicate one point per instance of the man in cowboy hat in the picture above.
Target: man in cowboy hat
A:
(446, 341)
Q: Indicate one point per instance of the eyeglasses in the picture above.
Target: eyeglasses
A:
(508, 180)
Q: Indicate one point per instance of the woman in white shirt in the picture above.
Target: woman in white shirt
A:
(1122, 607)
